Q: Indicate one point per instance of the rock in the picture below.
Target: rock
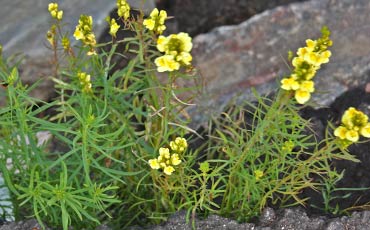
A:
(206, 15)
(22, 225)
(25, 23)
(232, 59)
(296, 218)
(213, 222)
(267, 216)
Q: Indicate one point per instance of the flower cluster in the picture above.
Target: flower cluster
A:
(85, 81)
(156, 21)
(123, 9)
(166, 159)
(177, 49)
(113, 26)
(308, 61)
(84, 32)
(53, 9)
(354, 124)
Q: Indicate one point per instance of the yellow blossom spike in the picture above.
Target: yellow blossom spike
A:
(156, 21)
(113, 26)
(308, 61)
(123, 9)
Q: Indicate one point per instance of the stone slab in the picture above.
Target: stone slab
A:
(23, 25)
(233, 59)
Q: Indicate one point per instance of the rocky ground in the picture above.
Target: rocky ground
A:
(253, 54)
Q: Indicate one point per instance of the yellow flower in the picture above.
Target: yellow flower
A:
(168, 170)
(184, 58)
(352, 135)
(306, 64)
(60, 15)
(166, 63)
(354, 124)
(340, 132)
(53, 9)
(302, 96)
(258, 174)
(179, 145)
(164, 153)
(365, 131)
(113, 27)
(289, 84)
(175, 160)
(78, 34)
(317, 59)
(156, 21)
(311, 44)
(1, 49)
(166, 160)
(307, 86)
(177, 49)
(84, 33)
(123, 9)
(161, 42)
(154, 164)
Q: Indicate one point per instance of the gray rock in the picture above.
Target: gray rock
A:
(296, 218)
(214, 222)
(25, 23)
(232, 59)
(209, 14)
(22, 225)
(267, 216)
(287, 219)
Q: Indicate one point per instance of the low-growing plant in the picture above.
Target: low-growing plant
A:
(114, 145)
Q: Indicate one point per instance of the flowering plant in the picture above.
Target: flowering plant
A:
(114, 146)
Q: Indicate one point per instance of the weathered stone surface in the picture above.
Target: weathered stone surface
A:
(232, 59)
(23, 25)
(22, 225)
(206, 15)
